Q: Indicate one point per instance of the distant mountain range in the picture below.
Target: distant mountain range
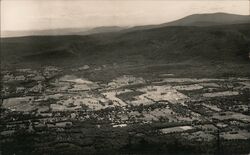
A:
(192, 20)
(65, 31)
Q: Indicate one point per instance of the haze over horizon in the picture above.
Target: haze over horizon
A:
(29, 15)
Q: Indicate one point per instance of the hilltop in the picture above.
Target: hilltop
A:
(210, 20)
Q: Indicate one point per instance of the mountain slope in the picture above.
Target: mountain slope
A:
(211, 49)
(222, 43)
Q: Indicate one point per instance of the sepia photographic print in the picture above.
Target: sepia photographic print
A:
(125, 77)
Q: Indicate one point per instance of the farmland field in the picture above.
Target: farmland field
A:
(65, 109)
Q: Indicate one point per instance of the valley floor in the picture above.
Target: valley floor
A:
(56, 111)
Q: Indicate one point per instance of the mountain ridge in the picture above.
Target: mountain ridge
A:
(209, 19)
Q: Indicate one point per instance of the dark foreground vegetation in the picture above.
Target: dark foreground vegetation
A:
(86, 138)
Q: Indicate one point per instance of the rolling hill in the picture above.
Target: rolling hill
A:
(221, 48)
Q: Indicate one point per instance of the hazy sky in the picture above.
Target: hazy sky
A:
(51, 14)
